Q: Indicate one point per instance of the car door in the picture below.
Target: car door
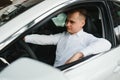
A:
(105, 66)
(116, 21)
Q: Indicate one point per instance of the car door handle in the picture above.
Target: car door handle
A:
(117, 68)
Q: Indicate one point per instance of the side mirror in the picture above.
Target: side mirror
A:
(29, 69)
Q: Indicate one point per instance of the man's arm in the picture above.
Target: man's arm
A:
(75, 57)
(98, 46)
(42, 39)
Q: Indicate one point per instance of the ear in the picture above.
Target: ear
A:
(82, 23)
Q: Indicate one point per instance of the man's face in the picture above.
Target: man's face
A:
(74, 22)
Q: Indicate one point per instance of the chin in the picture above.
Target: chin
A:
(71, 32)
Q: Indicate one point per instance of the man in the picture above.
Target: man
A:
(73, 44)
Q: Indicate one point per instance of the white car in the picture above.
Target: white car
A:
(22, 61)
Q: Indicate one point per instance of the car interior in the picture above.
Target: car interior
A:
(46, 53)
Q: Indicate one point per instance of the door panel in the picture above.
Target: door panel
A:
(105, 66)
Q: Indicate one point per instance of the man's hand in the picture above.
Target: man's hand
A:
(75, 57)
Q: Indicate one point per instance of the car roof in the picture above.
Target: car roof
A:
(18, 22)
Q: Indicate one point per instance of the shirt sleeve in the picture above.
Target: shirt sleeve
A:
(43, 39)
(96, 45)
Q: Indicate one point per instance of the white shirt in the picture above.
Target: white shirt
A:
(68, 45)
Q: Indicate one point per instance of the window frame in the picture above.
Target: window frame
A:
(63, 67)
(116, 25)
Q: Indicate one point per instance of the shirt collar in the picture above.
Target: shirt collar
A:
(77, 34)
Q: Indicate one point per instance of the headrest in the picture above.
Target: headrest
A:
(90, 27)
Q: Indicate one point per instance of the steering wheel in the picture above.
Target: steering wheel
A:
(28, 49)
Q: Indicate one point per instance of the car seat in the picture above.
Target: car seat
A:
(91, 28)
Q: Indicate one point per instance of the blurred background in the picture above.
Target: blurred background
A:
(4, 3)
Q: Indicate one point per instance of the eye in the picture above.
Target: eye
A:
(72, 22)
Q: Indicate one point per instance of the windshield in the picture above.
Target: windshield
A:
(12, 9)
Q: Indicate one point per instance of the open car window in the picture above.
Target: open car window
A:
(56, 24)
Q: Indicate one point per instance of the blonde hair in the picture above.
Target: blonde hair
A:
(82, 12)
